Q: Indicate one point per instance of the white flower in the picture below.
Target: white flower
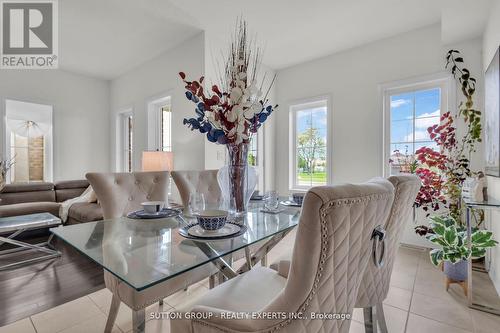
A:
(236, 93)
(231, 116)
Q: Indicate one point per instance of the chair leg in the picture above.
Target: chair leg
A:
(211, 281)
(139, 321)
(113, 311)
(380, 317)
(263, 261)
(370, 322)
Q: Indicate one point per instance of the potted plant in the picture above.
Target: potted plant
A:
(453, 251)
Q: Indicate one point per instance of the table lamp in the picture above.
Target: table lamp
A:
(159, 161)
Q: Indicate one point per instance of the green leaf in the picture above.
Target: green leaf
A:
(436, 256)
(450, 236)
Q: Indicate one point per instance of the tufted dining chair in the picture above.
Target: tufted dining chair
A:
(375, 284)
(119, 194)
(191, 181)
(331, 252)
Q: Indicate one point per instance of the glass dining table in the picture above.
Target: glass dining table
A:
(145, 253)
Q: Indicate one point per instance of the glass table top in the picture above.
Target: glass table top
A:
(143, 253)
(490, 203)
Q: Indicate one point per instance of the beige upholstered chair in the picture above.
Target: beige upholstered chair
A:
(120, 193)
(330, 255)
(190, 181)
(375, 285)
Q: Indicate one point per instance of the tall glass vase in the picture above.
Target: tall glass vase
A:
(237, 169)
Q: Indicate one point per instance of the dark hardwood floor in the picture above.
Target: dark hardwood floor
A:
(36, 287)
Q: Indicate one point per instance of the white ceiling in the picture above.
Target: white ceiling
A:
(106, 38)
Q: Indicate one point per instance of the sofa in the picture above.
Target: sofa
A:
(40, 197)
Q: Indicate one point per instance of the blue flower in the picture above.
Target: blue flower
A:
(189, 95)
(201, 107)
(192, 123)
(269, 109)
(262, 117)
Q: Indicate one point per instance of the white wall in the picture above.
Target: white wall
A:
(352, 79)
(80, 117)
(151, 80)
(491, 42)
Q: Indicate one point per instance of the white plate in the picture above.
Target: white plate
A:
(226, 230)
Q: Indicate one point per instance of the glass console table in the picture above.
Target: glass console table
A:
(489, 300)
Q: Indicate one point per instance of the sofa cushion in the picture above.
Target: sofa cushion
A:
(10, 198)
(28, 187)
(26, 208)
(69, 189)
(67, 184)
(85, 212)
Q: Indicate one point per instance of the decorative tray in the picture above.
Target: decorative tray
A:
(164, 213)
(229, 230)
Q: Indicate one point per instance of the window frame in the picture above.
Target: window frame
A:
(48, 145)
(153, 107)
(123, 140)
(442, 80)
(293, 109)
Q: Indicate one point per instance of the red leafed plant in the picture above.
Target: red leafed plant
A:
(443, 172)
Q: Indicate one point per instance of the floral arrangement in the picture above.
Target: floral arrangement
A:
(229, 113)
(443, 172)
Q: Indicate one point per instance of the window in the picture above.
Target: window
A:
(165, 128)
(125, 147)
(409, 111)
(309, 144)
(253, 151)
(28, 140)
(160, 123)
(28, 154)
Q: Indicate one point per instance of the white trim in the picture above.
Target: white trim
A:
(152, 105)
(292, 160)
(443, 80)
(121, 138)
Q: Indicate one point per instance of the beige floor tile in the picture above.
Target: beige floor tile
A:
(21, 326)
(395, 319)
(182, 297)
(400, 298)
(401, 279)
(65, 315)
(484, 322)
(356, 327)
(157, 326)
(94, 324)
(431, 282)
(442, 310)
(102, 298)
(357, 315)
(418, 324)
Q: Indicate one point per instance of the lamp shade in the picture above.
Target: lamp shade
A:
(157, 161)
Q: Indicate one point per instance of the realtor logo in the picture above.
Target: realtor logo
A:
(29, 34)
